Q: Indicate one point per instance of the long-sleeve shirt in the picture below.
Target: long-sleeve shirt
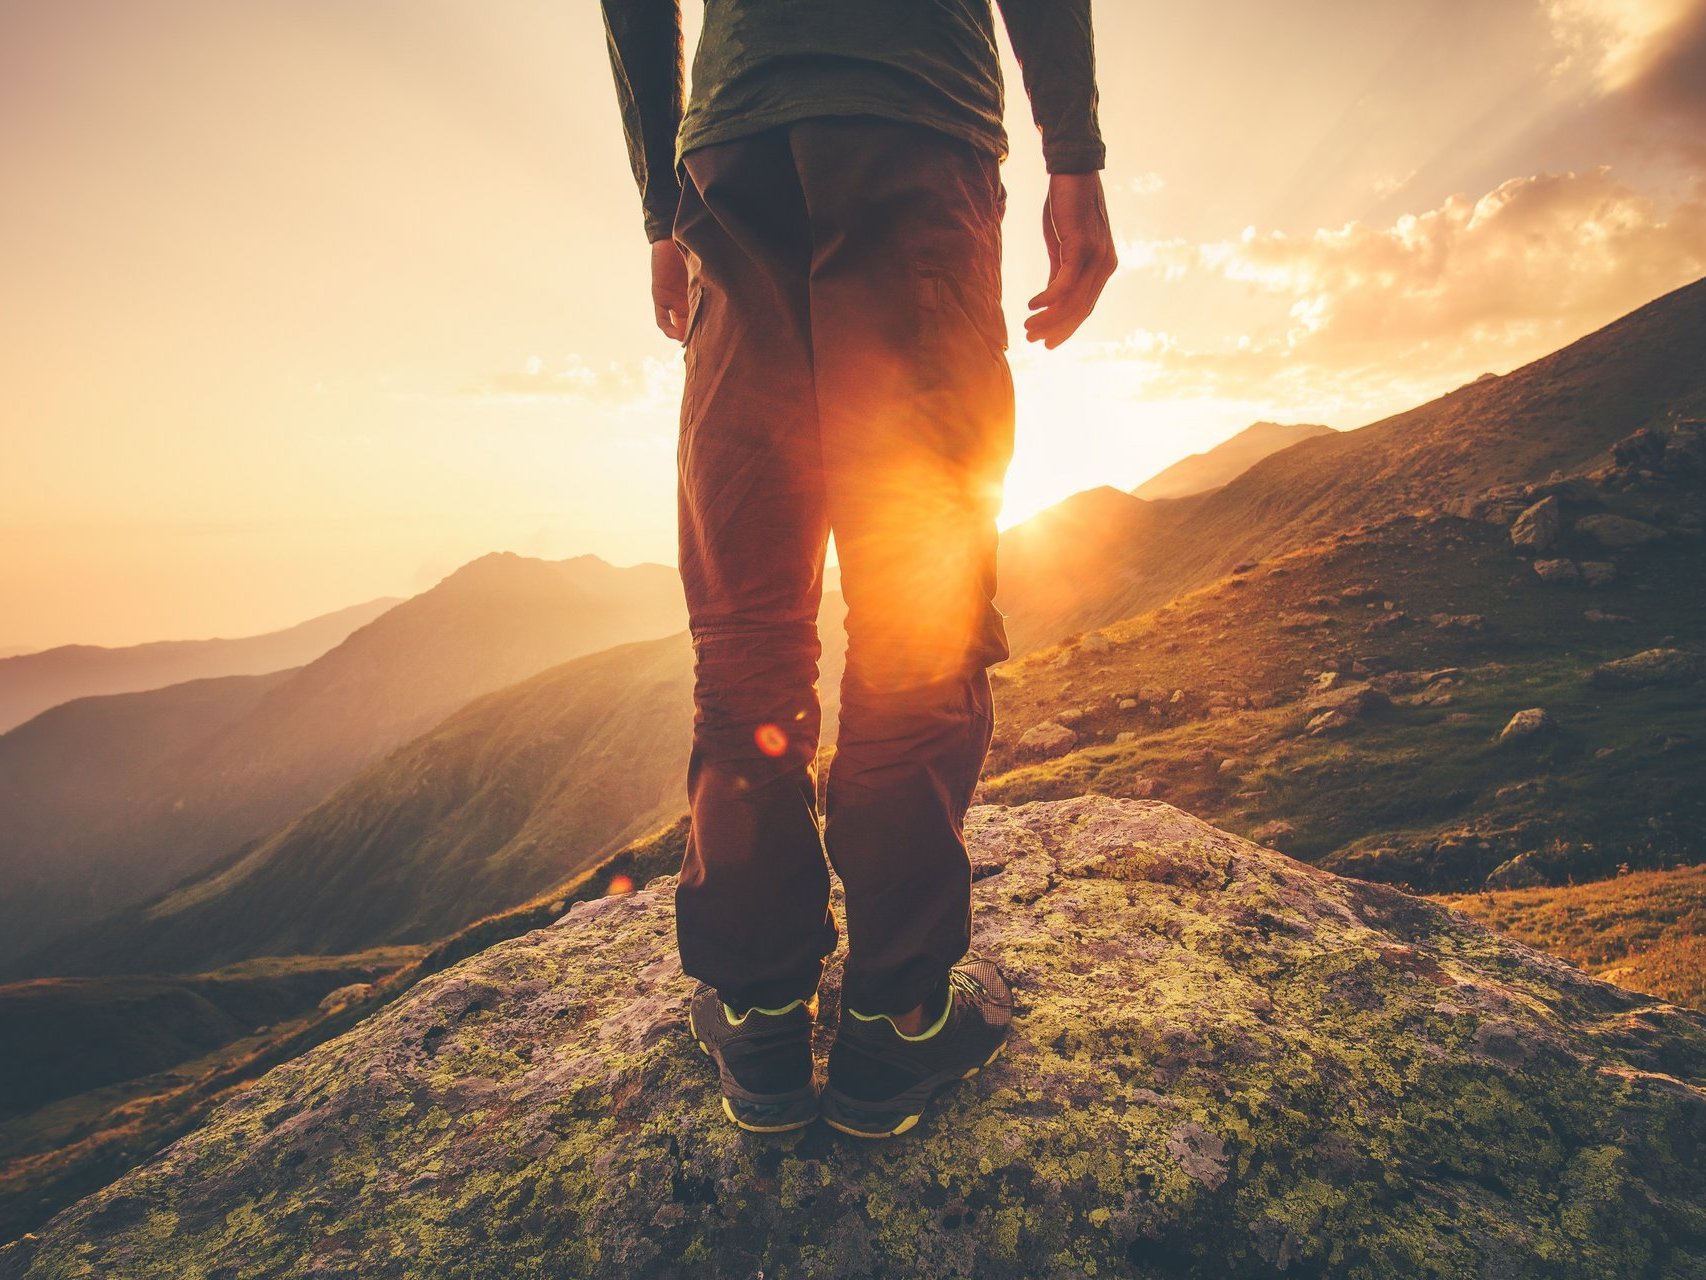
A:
(767, 62)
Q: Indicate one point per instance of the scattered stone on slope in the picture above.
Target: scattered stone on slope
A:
(1473, 622)
(1521, 872)
(1355, 699)
(1685, 450)
(1331, 721)
(1557, 571)
(1047, 740)
(1224, 1063)
(1598, 573)
(1537, 529)
(1600, 615)
(354, 993)
(1649, 667)
(1617, 532)
(1528, 724)
(1642, 450)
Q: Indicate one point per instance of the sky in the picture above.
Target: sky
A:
(304, 302)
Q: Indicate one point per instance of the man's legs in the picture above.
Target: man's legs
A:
(752, 909)
(915, 415)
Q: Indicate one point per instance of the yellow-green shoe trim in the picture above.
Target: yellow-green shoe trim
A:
(932, 1029)
(729, 1111)
(735, 1021)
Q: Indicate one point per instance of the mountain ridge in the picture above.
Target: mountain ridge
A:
(1211, 468)
(97, 840)
(35, 680)
(1561, 412)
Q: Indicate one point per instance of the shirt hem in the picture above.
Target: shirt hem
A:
(726, 131)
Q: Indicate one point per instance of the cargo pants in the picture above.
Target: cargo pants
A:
(845, 370)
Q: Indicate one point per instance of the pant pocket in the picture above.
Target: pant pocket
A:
(960, 337)
(690, 350)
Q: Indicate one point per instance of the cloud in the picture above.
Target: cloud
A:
(645, 383)
(1646, 57)
(1617, 41)
(1431, 299)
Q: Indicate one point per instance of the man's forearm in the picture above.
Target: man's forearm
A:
(1056, 50)
(646, 58)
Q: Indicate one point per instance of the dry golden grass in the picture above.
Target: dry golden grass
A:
(1643, 930)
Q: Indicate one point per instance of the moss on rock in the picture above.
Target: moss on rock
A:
(1225, 1063)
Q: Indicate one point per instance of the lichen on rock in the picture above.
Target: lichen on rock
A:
(1225, 1063)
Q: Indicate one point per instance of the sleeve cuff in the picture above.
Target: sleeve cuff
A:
(1075, 157)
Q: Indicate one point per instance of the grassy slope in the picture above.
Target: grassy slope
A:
(1421, 794)
(1645, 930)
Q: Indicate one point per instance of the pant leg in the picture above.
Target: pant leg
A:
(915, 411)
(752, 909)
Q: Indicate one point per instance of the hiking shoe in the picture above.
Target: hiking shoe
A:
(764, 1060)
(880, 1080)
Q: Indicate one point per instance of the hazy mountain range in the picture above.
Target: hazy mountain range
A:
(110, 799)
(30, 683)
(534, 781)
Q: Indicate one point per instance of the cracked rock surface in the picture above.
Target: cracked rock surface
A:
(1225, 1063)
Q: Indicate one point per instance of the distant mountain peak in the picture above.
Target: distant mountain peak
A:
(1229, 459)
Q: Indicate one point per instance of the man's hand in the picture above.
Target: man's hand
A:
(669, 289)
(1081, 257)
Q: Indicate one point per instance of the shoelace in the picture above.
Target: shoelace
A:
(972, 988)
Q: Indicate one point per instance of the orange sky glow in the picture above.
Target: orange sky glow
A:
(304, 302)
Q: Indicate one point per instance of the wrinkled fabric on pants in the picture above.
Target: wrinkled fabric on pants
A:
(845, 370)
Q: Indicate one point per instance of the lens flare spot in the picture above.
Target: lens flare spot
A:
(770, 739)
(620, 885)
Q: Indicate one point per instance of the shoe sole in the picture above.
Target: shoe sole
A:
(750, 1126)
(908, 1121)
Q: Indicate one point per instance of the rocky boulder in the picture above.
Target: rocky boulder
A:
(1528, 724)
(1685, 450)
(1557, 571)
(1537, 528)
(1642, 450)
(1047, 740)
(1224, 1063)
